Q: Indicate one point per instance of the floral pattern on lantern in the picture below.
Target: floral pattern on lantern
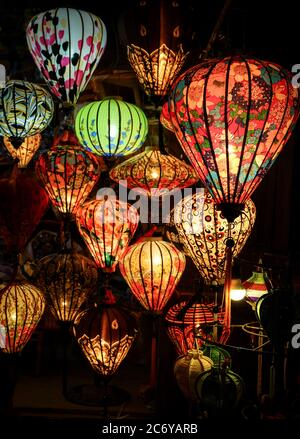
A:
(232, 117)
(153, 173)
(105, 335)
(68, 173)
(25, 109)
(66, 45)
(111, 127)
(26, 150)
(21, 308)
(152, 269)
(107, 226)
(204, 232)
(156, 70)
(67, 280)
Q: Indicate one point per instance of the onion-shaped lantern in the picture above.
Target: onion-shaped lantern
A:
(204, 231)
(232, 117)
(25, 109)
(111, 127)
(107, 226)
(256, 287)
(187, 319)
(187, 368)
(105, 334)
(154, 173)
(68, 173)
(21, 308)
(23, 203)
(152, 269)
(26, 150)
(67, 280)
(66, 45)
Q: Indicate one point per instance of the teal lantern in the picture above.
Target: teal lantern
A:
(111, 127)
(25, 109)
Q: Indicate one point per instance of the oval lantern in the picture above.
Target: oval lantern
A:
(23, 203)
(66, 45)
(256, 287)
(67, 279)
(26, 150)
(187, 369)
(25, 109)
(232, 117)
(111, 127)
(152, 269)
(21, 308)
(204, 230)
(68, 173)
(105, 334)
(107, 227)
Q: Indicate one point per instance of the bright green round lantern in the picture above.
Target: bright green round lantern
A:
(111, 127)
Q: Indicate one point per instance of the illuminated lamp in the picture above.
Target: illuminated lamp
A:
(111, 127)
(237, 290)
(256, 287)
(26, 150)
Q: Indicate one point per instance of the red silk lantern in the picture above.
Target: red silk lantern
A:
(23, 203)
(232, 117)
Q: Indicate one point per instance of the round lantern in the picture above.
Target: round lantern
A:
(23, 203)
(105, 334)
(187, 369)
(107, 226)
(26, 150)
(21, 308)
(67, 280)
(232, 117)
(219, 389)
(66, 45)
(152, 269)
(204, 232)
(111, 127)
(68, 173)
(154, 173)
(255, 287)
(25, 109)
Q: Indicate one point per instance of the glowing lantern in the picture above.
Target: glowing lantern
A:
(23, 203)
(105, 334)
(66, 45)
(25, 109)
(68, 173)
(26, 150)
(154, 173)
(21, 308)
(255, 287)
(111, 127)
(204, 232)
(67, 280)
(107, 226)
(152, 269)
(232, 117)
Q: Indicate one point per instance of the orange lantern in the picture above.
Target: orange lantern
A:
(26, 150)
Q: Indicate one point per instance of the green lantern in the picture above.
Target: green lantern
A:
(111, 127)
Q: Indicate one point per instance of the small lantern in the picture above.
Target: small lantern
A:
(255, 287)
(152, 269)
(21, 308)
(26, 150)
(111, 127)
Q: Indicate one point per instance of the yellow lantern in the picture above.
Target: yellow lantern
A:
(26, 150)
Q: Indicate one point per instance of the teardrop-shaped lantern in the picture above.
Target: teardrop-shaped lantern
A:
(187, 369)
(26, 150)
(204, 231)
(154, 173)
(107, 226)
(21, 308)
(255, 287)
(23, 203)
(67, 280)
(111, 127)
(152, 269)
(66, 45)
(232, 117)
(68, 173)
(105, 334)
(25, 109)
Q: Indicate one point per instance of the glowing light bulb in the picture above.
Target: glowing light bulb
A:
(237, 291)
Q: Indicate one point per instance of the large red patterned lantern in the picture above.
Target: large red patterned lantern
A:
(232, 117)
